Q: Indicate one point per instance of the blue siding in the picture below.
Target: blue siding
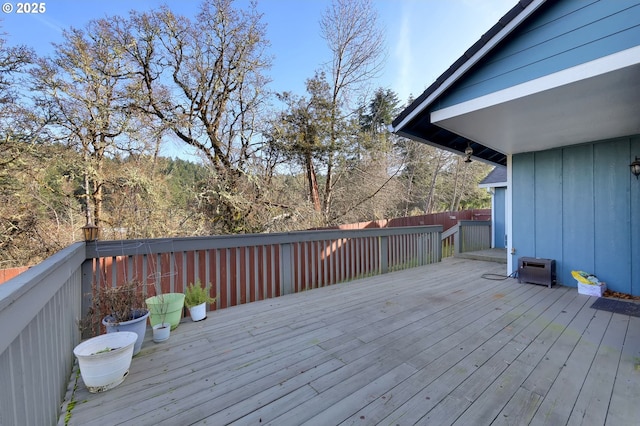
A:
(523, 206)
(612, 214)
(635, 222)
(580, 205)
(577, 213)
(562, 35)
(548, 207)
(499, 217)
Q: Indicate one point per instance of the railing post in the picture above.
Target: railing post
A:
(86, 296)
(457, 237)
(286, 268)
(383, 242)
(422, 249)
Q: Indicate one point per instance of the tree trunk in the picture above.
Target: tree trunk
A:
(432, 186)
(455, 187)
(87, 193)
(327, 187)
(462, 187)
(313, 183)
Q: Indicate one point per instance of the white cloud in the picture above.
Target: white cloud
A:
(403, 55)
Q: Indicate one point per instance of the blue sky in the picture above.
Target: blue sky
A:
(423, 36)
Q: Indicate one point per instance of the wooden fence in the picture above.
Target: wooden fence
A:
(445, 219)
(7, 274)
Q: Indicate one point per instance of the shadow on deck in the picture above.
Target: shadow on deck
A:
(430, 345)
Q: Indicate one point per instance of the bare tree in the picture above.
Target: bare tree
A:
(356, 41)
(84, 88)
(18, 126)
(203, 80)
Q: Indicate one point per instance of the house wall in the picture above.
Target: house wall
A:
(580, 205)
(559, 36)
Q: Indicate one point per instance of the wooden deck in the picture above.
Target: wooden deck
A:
(433, 345)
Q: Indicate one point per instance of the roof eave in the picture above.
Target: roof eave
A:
(477, 51)
(481, 153)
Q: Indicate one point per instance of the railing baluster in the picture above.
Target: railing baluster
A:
(249, 288)
(272, 261)
(235, 276)
(227, 273)
(314, 264)
(383, 247)
(256, 273)
(286, 269)
(218, 278)
(306, 265)
(207, 270)
(145, 277)
(325, 264)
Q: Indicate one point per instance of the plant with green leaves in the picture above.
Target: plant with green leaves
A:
(196, 294)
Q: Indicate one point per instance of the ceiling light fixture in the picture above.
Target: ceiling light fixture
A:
(468, 152)
(635, 167)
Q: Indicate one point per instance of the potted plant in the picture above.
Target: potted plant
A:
(196, 299)
(105, 360)
(119, 308)
(162, 330)
(165, 307)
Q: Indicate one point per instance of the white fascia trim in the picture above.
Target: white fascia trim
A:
(580, 72)
(533, 6)
(493, 185)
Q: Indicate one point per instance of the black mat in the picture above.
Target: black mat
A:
(617, 306)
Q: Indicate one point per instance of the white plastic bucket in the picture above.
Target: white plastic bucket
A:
(105, 360)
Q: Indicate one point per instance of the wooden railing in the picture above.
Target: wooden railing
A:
(40, 309)
(247, 268)
(467, 235)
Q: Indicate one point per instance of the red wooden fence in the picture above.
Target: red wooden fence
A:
(446, 219)
(7, 274)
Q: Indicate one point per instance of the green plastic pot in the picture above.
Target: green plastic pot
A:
(171, 303)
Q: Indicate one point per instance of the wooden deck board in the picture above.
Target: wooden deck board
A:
(430, 345)
(593, 401)
(471, 367)
(627, 384)
(559, 401)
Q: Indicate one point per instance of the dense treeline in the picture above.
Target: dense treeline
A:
(81, 140)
